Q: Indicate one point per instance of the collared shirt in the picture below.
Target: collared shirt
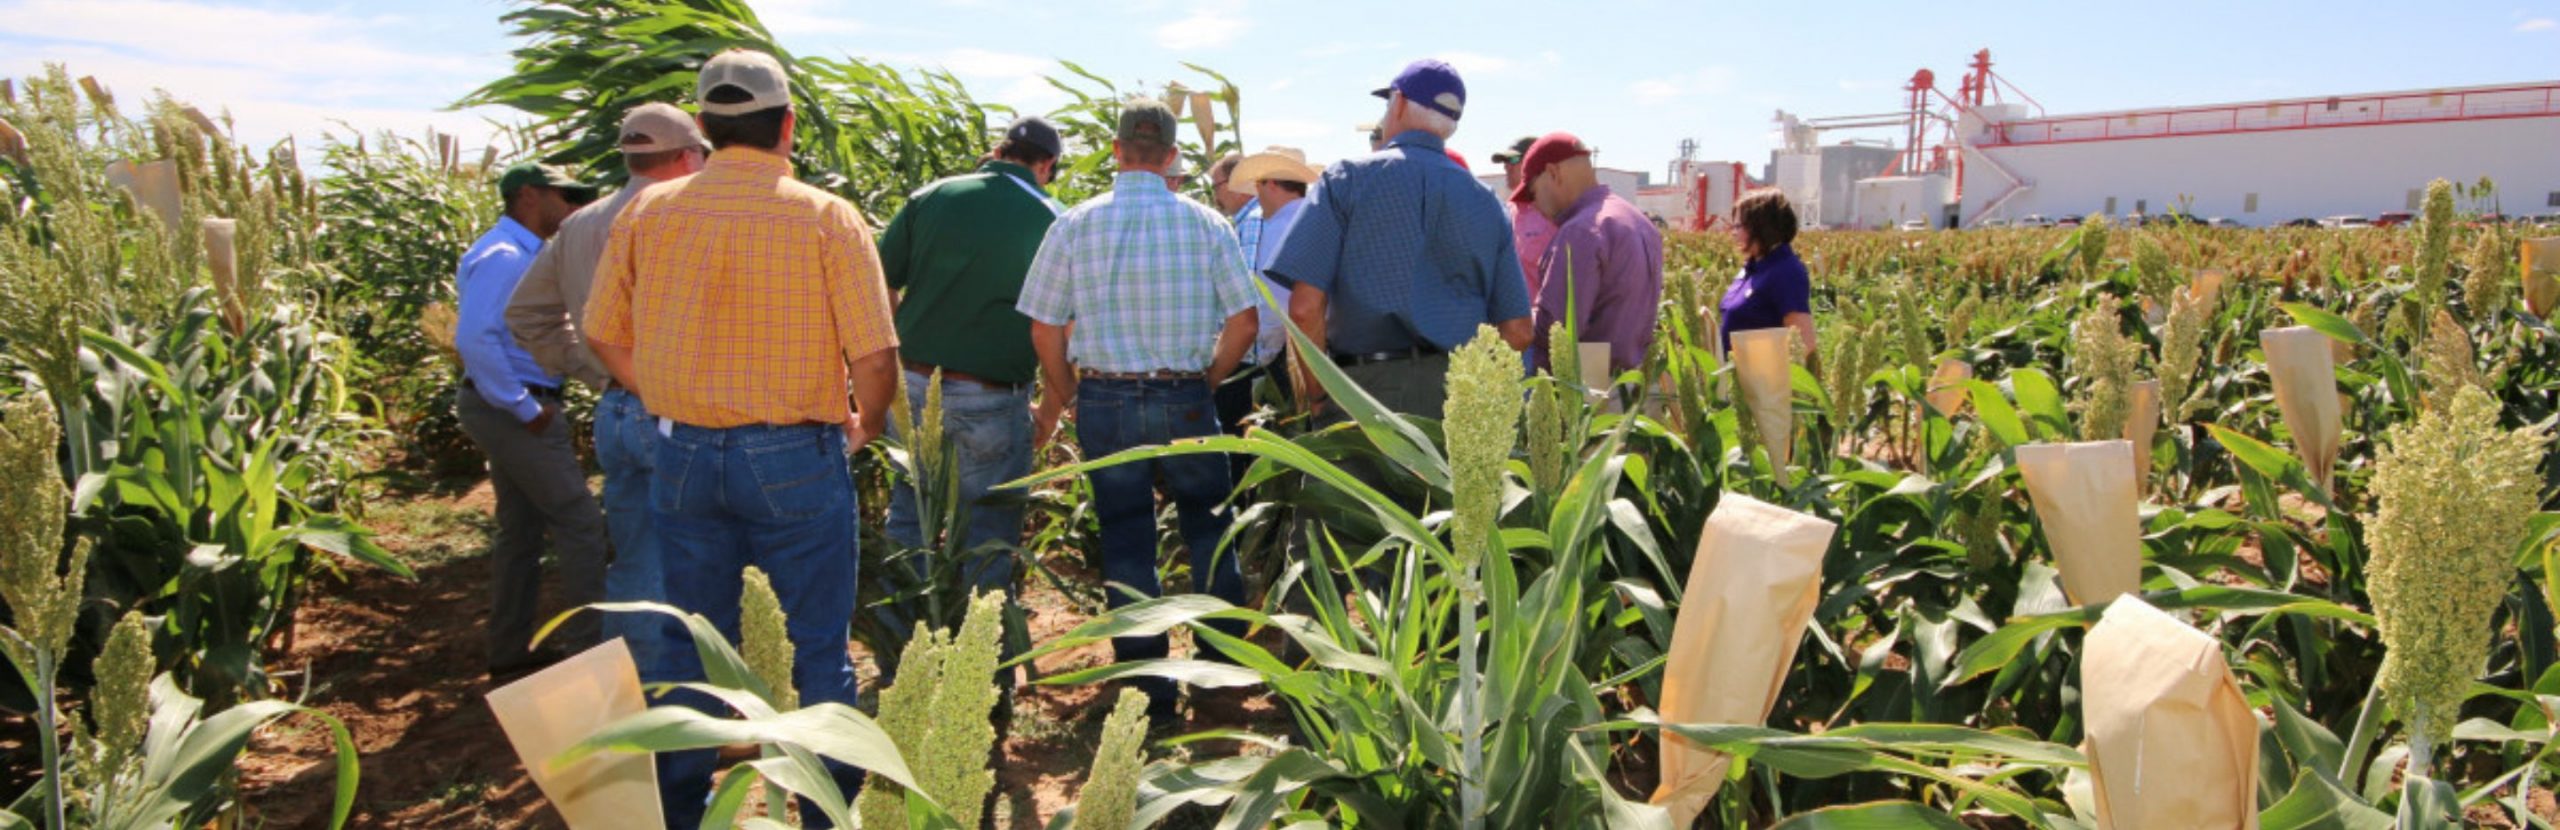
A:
(1272, 338)
(1148, 278)
(1606, 262)
(959, 250)
(743, 294)
(498, 368)
(1770, 288)
(1248, 222)
(1413, 252)
(551, 301)
(1530, 233)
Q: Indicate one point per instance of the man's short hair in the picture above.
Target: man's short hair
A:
(1022, 152)
(1225, 166)
(1766, 217)
(1294, 187)
(636, 162)
(761, 129)
(1426, 119)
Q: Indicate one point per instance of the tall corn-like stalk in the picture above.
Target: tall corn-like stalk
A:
(42, 600)
(1483, 427)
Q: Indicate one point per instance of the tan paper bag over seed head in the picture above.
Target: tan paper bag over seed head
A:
(2141, 426)
(1947, 387)
(2173, 744)
(2306, 381)
(553, 709)
(1763, 363)
(153, 185)
(2206, 283)
(1206, 118)
(1751, 590)
(2540, 270)
(222, 257)
(2084, 495)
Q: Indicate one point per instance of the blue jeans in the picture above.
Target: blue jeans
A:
(989, 433)
(1115, 415)
(779, 498)
(627, 448)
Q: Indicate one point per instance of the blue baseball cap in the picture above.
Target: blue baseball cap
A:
(1432, 84)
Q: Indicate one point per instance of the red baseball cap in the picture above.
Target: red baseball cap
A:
(1461, 160)
(1546, 152)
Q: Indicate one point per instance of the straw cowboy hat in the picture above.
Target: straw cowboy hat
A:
(1288, 164)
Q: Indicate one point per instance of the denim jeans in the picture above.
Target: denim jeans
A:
(780, 498)
(989, 433)
(627, 448)
(1114, 415)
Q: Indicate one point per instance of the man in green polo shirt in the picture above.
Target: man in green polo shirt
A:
(956, 255)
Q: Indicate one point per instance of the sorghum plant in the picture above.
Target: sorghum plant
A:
(1110, 794)
(2105, 367)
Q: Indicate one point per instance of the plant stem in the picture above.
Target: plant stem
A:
(48, 726)
(2422, 746)
(1470, 780)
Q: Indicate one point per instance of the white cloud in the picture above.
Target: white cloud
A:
(1339, 48)
(2539, 24)
(278, 72)
(1207, 27)
(801, 18)
(1713, 80)
(982, 63)
(1474, 63)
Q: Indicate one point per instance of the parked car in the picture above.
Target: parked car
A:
(2394, 219)
(2036, 220)
(2219, 222)
(1915, 224)
(2067, 222)
(2346, 222)
(2547, 220)
(2305, 222)
(1993, 223)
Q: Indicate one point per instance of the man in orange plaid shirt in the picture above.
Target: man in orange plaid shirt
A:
(739, 302)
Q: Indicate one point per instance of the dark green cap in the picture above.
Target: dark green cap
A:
(526, 174)
(1519, 150)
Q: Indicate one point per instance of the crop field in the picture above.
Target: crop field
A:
(2043, 519)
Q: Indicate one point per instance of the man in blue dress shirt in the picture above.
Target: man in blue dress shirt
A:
(1399, 255)
(511, 408)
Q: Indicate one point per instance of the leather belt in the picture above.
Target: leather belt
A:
(1415, 353)
(927, 370)
(1159, 374)
(536, 390)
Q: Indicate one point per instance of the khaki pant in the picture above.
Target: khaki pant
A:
(542, 494)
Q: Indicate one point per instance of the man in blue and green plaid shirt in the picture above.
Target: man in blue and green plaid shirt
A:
(1140, 305)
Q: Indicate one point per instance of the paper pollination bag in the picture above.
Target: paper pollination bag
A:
(2140, 426)
(221, 256)
(1947, 386)
(2540, 270)
(2306, 381)
(1751, 591)
(1205, 116)
(2206, 283)
(2084, 495)
(1764, 366)
(154, 187)
(552, 710)
(2172, 742)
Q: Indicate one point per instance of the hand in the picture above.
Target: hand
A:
(1044, 420)
(858, 434)
(542, 420)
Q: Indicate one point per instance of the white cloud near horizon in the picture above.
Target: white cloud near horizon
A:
(1210, 26)
(1713, 80)
(2539, 24)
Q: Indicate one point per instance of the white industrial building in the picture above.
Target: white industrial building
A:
(2264, 162)
(1988, 153)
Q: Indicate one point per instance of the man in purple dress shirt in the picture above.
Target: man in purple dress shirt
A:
(1603, 268)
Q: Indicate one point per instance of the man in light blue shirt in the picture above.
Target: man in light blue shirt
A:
(1143, 299)
(510, 407)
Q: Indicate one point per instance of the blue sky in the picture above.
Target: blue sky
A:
(1632, 78)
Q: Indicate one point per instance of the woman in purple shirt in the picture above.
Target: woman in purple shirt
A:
(1774, 289)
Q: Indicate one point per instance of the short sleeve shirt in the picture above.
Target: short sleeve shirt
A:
(1147, 277)
(1411, 250)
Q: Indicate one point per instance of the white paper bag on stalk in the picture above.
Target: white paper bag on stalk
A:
(2306, 381)
(1597, 380)
(1206, 118)
(1947, 387)
(551, 710)
(222, 257)
(2084, 495)
(1764, 364)
(2173, 744)
(1751, 591)
(2541, 273)
(154, 187)
(2140, 426)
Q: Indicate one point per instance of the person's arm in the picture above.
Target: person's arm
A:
(608, 312)
(1233, 341)
(1796, 296)
(481, 335)
(1307, 309)
(1057, 381)
(896, 245)
(539, 318)
(864, 330)
(1507, 295)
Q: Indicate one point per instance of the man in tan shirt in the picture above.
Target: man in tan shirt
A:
(658, 142)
